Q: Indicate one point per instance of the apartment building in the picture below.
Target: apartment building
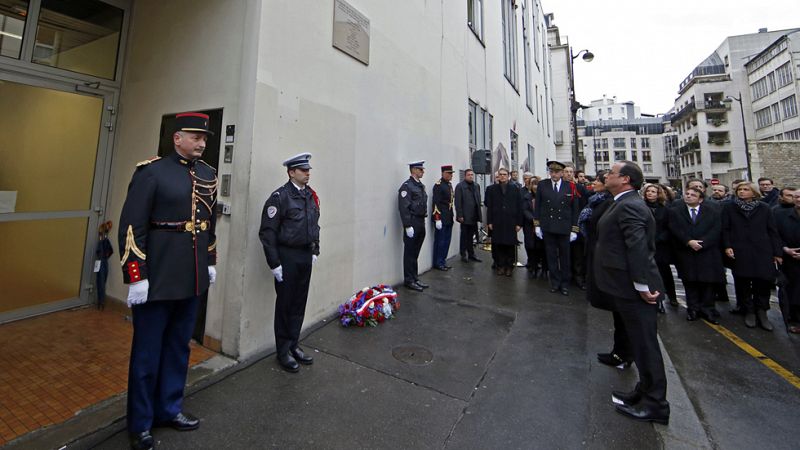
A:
(641, 140)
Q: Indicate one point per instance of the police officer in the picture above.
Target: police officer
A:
(412, 201)
(168, 246)
(290, 235)
(443, 218)
(555, 219)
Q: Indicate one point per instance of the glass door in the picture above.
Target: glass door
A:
(53, 145)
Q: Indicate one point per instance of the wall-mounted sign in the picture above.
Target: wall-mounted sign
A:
(350, 31)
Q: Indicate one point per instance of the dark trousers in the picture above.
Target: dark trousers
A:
(536, 257)
(441, 244)
(556, 247)
(665, 271)
(292, 295)
(622, 343)
(639, 319)
(411, 249)
(468, 232)
(577, 259)
(159, 360)
(503, 255)
(700, 297)
(752, 293)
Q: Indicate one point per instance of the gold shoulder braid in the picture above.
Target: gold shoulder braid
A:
(147, 161)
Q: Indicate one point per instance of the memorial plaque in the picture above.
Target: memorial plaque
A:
(350, 31)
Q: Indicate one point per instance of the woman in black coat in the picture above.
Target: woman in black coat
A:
(656, 199)
(787, 221)
(697, 230)
(750, 238)
(504, 220)
(621, 355)
(534, 247)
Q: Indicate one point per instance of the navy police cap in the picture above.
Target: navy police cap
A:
(299, 161)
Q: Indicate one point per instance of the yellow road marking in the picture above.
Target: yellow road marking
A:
(762, 358)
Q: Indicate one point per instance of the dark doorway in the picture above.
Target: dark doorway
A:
(211, 157)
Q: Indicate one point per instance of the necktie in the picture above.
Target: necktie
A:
(694, 215)
(555, 186)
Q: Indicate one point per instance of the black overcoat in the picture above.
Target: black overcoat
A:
(663, 236)
(596, 298)
(704, 265)
(468, 202)
(754, 240)
(787, 222)
(528, 199)
(504, 213)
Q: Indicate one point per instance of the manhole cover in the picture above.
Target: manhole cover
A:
(413, 354)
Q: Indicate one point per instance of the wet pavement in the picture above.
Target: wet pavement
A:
(510, 366)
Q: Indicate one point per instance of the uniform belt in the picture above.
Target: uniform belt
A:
(186, 225)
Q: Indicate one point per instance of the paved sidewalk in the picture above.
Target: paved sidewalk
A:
(511, 366)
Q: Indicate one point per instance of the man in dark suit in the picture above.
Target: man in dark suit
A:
(555, 218)
(468, 214)
(169, 251)
(626, 271)
(504, 220)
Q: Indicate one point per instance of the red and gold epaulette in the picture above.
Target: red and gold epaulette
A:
(147, 161)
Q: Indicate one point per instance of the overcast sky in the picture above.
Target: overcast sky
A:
(644, 48)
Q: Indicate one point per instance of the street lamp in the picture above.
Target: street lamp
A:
(729, 99)
(574, 105)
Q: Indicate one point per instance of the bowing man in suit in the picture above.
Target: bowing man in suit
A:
(625, 270)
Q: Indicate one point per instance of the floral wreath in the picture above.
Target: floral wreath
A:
(369, 306)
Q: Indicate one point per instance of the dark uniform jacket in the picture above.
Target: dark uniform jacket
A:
(443, 202)
(754, 240)
(557, 212)
(412, 201)
(504, 213)
(626, 241)
(290, 218)
(468, 202)
(704, 265)
(167, 234)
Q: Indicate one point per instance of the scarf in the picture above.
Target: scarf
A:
(746, 207)
(586, 213)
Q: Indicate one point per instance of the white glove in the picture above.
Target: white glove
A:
(410, 232)
(212, 274)
(137, 292)
(438, 224)
(278, 273)
(313, 259)
(573, 236)
(539, 232)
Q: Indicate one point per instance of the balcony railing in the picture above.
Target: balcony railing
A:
(715, 105)
(684, 112)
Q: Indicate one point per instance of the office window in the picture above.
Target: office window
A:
(759, 88)
(619, 142)
(604, 143)
(720, 157)
(771, 82)
(634, 155)
(763, 117)
(776, 112)
(475, 17)
(534, 27)
(473, 134)
(646, 157)
(784, 74)
(645, 142)
(480, 128)
(619, 155)
(633, 142)
(647, 168)
(793, 135)
(789, 106)
(603, 156)
(510, 41)
(526, 49)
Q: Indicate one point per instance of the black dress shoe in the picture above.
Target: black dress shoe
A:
(442, 268)
(564, 291)
(645, 413)
(553, 290)
(301, 357)
(614, 360)
(413, 286)
(710, 318)
(448, 267)
(182, 422)
(691, 316)
(660, 304)
(475, 258)
(421, 284)
(673, 302)
(626, 398)
(288, 363)
(141, 441)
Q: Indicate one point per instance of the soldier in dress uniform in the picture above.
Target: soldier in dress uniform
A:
(412, 201)
(290, 235)
(556, 222)
(443, 218)
(169, 251)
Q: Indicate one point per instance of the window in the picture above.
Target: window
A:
(619, 142)
(480, 128)
(645, 142)
(720, 157)
(619, 155)
(763, 118)
(473, 117)
(510, 42)
(793, 135)
(784, 74)
(634, 155)
(12, 26)
(534, 26)
(646, 157)
(776, 112)
(604, 156)
(475, 17)
(771, 82)
(604, 143)
(647, 168)
(789, 106)
(759, 88)
(609, 111)
(526, 49)
(633, 142)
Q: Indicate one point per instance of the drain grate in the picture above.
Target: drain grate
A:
(413, 354)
